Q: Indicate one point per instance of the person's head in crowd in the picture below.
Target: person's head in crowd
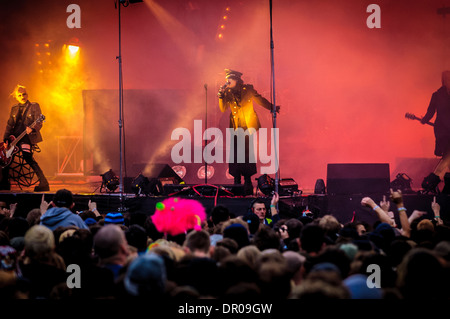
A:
(114, 218)
(253, 222)
(237, 232)
(39, 247)
(146, 277)
(234, 270)
(151, 230)
(358, 288)
(259, 208)
(421, 275)
(266, 238)
(332, 255)
(295, 265)
(87, 214)
(63, 198)
(76, 248)
(249, 254)
(137, 237)
(275, 279)
(312, 239)
(39, 242)
(382, 236)
(34, 217)
(219, 214)
(230, 244)
(442, 249)
(197, 243)
(220, 253)
(331, 226)
(110, 245)
(322, 283)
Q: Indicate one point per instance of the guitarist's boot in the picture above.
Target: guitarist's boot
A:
(43, 183)
(430, 183)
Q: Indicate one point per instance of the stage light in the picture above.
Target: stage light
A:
(110, 180)
(73, 49)
(139, 184)
(266, 184)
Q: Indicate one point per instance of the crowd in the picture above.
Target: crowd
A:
(55, 253)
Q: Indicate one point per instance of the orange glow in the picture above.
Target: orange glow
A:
(73, 49)
(220, 36)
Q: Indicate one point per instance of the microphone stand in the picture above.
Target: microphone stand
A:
(274, 108)
(206, 127)
(119, 58)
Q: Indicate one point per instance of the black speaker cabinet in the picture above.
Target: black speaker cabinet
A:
(358, 178)
(156, 170)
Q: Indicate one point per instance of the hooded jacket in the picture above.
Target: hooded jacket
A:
(61, 216)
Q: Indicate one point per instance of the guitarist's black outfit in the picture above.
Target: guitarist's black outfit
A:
(439, 105)
(21, 117)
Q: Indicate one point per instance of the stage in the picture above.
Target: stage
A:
(345, 207)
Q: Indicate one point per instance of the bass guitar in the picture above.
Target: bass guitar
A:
(6, 154)
(411, 116)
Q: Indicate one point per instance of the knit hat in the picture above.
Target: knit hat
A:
(114, 218)
(146, 276)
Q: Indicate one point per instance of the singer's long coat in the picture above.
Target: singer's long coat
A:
(240, 102)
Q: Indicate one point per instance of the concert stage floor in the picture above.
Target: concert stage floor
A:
(343, 207)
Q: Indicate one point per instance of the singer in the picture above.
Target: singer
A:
(239, 97)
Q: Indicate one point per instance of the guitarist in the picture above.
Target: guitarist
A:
(22, 115)
(439, 104)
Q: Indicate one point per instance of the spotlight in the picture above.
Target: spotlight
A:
(73, 49)
(403, 183)
(266, 184)
(146, 186)
(110, 180)
(139, 184)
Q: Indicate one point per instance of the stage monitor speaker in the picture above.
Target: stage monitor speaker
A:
(163, 172)
(359, 178)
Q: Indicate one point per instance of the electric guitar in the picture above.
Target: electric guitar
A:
(6, 154)
(411, 116)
